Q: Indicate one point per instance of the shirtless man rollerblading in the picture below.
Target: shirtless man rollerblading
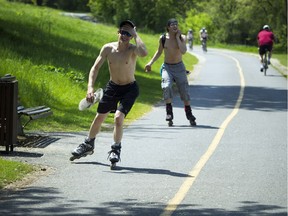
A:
(121, 91)
(173, 70)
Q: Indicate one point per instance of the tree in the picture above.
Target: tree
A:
(196, 21)
(227, 21)
(151, 15)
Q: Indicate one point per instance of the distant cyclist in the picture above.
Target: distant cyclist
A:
(203, 34)
(203, 38)
(265, 40)
(190, 38)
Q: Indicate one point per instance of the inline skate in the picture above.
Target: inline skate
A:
(189, 116)
(169, 114)
(84, 149)
(114, 155)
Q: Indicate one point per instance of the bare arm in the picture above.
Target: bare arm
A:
(181, 42)
(155, 57)
(140, 46)
(94, 73)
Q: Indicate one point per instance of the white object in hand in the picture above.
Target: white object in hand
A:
(84, 104)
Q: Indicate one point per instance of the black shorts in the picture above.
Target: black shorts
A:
(118, 97)
(263, 48)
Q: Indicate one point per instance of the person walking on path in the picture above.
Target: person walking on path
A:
(121, 91)
(173, 69)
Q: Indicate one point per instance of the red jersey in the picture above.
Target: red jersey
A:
(265, 38)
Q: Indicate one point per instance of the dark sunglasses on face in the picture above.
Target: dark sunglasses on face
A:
(174, 24)
(125, 33)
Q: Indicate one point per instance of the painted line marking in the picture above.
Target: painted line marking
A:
(187, 184)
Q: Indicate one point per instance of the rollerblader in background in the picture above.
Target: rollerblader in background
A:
(121, 91)
(173, 69)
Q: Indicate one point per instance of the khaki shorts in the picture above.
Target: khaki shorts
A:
(174, 73)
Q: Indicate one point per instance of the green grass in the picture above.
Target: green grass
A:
(51, 56)
(11, 171)
(282, 57)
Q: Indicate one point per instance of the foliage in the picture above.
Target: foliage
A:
(51, 56)
(151, 15)
(227, 21)
(71, 5)
(239, 21)
(196, 21)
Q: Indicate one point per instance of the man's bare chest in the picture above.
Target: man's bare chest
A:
(120, 58)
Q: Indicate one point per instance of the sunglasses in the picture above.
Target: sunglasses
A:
(125, 33)
(174, 24)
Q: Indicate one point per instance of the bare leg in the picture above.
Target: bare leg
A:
(261, 59)
(87, 146)
(96, 124)
(269, 56)
(118, 128)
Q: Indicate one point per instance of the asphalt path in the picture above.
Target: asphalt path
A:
(234, 162)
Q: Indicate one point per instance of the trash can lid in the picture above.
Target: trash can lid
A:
(7, 78)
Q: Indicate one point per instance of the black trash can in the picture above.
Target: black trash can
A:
(8, 111)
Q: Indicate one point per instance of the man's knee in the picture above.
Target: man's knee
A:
(99, 118)
(119, 118)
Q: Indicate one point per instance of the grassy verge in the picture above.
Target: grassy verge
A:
(282, 57)
(51, 55)
(11, 171)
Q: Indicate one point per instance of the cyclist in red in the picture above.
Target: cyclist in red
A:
(265, 40)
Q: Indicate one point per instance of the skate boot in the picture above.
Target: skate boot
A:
(169, 114)
(114, 154)
(189, 116)
(84, 149)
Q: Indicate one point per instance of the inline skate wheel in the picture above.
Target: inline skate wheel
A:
(192, 123)
(72, 158)
(113, 166)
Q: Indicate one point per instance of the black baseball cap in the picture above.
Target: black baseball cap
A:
(127, 22)
(172, 20)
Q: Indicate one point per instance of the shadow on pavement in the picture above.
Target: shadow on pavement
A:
(21, 154)
(205, 97)
(125, 170)
(27, 202)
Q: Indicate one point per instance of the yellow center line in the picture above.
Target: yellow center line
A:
(187, 184)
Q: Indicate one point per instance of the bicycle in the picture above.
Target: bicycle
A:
(204, 45)
(265, 62)
(190, 43)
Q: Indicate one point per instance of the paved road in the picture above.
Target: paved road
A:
(233, 163)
